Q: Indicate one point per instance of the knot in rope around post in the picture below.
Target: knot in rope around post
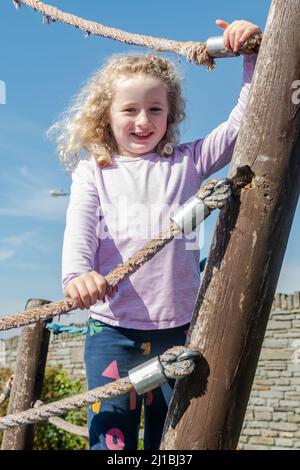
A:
(216, 193)
(176, 362)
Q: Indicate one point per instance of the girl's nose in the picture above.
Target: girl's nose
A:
(142, 118)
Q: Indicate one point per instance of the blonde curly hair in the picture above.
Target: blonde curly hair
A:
(85, 124)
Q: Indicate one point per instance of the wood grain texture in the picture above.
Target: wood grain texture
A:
(28, 379)
(235, 298)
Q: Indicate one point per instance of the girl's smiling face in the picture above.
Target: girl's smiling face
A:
(138, 114)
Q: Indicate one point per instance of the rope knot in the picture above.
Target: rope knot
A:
(215, 193)
(178, 361)
(197, 52)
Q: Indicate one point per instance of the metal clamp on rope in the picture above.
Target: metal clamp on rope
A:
(191, 214)
(147, 376)
(215, 48)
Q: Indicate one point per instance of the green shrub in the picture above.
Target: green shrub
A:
(5, 373)
(56, 386)
(4, 376)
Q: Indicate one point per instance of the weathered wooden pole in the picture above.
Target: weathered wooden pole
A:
(28, 379)
(235, 298)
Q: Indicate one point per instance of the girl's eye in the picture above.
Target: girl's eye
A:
(130, 110)
(155, 109)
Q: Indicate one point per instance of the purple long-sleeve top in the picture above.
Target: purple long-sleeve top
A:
(114, 211)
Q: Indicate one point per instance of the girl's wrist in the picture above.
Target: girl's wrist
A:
(250, 58)
(249, 62)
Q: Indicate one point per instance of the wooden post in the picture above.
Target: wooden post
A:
(235, 298)
(28, 379)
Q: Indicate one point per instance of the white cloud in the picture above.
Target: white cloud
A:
(27, 266)
(10, 245)
(39, 205)
(20, 238)
(26, 194)
(5, 254)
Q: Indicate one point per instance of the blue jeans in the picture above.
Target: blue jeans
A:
(110, 352)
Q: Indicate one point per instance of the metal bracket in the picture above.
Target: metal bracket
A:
(215, 48)
(191, 214)
(147, 376)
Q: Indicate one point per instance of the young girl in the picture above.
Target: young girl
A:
(126, 119)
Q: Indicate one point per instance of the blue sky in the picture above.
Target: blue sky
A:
(43, 66)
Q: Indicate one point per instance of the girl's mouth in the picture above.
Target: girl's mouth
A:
(142, 136)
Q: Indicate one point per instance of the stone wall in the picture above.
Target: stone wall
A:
(64, 349)
(273, 413)
(272, 419)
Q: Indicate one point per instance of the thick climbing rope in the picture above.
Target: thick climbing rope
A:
(213, 196)
(34, 415)
(57, 422)
(173, 368)
(65, 425)
(193, 51)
